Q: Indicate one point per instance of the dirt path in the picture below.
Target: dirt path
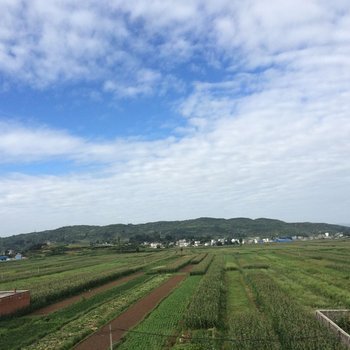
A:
(187, 268)
(71, 300)
(132, 316)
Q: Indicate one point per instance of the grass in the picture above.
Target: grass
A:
(77, 275)
(173, 266)
(204, 309)
(237, 298)
(344, 323)
(77, 329)
(247, 327)
(295, 327)
(33, 328)
(164, 319)
(255, 297)
(202, 267)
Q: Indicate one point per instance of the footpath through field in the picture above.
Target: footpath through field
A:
(131, 317)
(88, 294)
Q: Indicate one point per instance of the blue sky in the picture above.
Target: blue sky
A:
(160, 110)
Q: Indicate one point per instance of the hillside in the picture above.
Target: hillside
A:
(170, 230)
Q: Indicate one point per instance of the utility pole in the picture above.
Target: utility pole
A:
(110, 337)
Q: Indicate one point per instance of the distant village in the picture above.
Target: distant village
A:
(234, 241)
(11, 255)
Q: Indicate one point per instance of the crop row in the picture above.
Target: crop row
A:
(255, 266)
(199, 258)
(164, 320)
(174, 265)
(247, 328)
(72, 332)
(202, 267)
(35, 267)
(337, 276)
(250, 330)
(231, 266)
(61, 288)
(204, 309)
(331, 286)
(49, 288)
(32, 329)
(295, 328)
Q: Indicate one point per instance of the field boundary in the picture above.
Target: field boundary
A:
(322, 316)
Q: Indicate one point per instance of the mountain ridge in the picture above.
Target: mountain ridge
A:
(202, 227)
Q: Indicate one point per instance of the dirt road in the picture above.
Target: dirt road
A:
(131, 317)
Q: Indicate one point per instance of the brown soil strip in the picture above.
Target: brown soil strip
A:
(187, 268)
(132, 316)
(88, 294)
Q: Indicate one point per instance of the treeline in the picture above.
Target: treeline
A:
(197, 229)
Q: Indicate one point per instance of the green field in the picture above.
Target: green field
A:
(248, 297)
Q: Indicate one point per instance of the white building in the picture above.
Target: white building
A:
(156, 245)
(182, 243)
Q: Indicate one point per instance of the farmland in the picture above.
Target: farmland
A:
(248, 297)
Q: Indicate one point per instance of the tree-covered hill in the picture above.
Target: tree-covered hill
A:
(170, 230)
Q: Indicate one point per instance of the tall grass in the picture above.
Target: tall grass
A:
(202, 267)
(204, 309)
(296, 328)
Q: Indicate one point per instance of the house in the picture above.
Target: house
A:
(182, 243)
(221, 240)
(283, 240)
(18, 256)
(156, 245)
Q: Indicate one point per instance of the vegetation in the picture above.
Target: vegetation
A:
(247, 297)
(34, 328)
(204, 309)
(202, 267)
(173, 266)
(74, 331)
(199, 258)
(247, 327)
(344, 323)
(202, 228)
(294, 326)
(165, 319)
(81, 272)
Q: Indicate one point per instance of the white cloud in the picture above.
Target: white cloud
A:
(44, 43)
(144, 82)
(282, 149)
(23, 144)
(268, 138)
(18, 143)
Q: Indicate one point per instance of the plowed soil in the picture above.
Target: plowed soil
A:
(131, 317)
(88, 294)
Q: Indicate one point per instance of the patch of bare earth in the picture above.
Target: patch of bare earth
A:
(88, 294)
(100, 340)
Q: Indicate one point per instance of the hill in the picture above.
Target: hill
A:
(170, 230)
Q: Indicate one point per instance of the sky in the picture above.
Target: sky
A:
(146, 110)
